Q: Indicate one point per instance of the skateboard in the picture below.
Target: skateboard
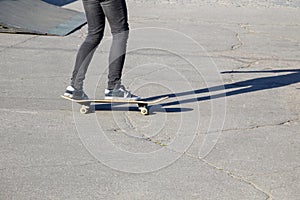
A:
(142, 105)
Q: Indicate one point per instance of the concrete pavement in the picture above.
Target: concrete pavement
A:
(229, 130)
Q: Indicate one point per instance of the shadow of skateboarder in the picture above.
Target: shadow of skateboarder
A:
(241, 87)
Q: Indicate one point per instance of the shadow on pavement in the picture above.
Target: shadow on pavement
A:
(152, 108)
(242, 87)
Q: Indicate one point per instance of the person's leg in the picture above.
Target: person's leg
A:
(96, 24)
(116, 13)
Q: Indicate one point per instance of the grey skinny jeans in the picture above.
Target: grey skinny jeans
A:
(96, 11)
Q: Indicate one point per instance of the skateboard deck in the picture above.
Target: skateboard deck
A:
(142, 105)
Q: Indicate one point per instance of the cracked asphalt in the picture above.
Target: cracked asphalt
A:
(229, 129)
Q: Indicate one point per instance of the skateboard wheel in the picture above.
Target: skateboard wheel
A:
(84, 110)
(144, 111)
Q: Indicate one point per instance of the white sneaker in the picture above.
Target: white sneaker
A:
(69, 92)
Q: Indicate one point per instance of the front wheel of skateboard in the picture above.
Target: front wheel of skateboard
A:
(144, 111)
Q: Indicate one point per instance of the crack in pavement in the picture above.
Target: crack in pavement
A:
(286, 122)
(18, 43)
(240, 178)
(229, 173)
(239, 44)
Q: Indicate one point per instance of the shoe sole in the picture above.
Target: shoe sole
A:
(68, 95)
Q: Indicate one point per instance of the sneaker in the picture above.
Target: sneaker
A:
(69, 92)
(120, 93)
(79, 95)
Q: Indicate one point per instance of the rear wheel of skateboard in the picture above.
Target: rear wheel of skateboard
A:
(143, 108)
(84, 110)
